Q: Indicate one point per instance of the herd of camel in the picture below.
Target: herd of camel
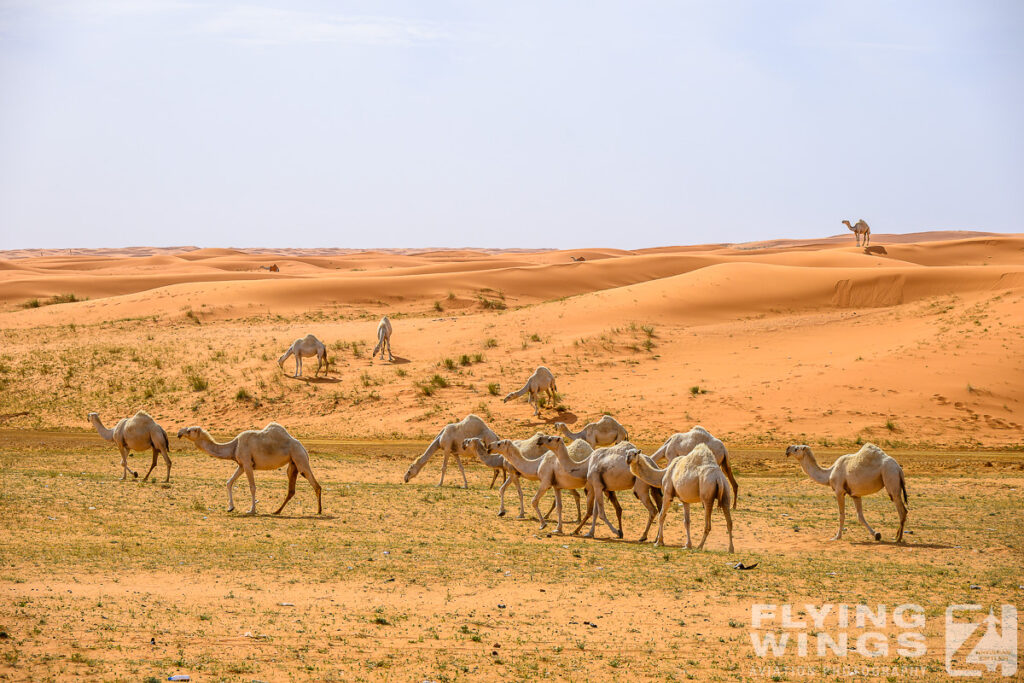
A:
(691, 467)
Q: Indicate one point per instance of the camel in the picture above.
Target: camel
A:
(383, 339)
(860, 231)
(499, 464)
(136, 433)
(532, 460)
(607, 471)
(605, 432)
(540, 381)
(304, 348)
(450, 441)
(858, 474)
(693, 478)
(272, 268)
(578, 258)
(268, 449)
(682, 443)
(566, 471)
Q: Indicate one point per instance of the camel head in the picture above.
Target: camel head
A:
(632, 457)
(189, 433)
(550, 442)
(92, 417)
(498, 446)
(847, 224)
(798, 452)
(473, 443)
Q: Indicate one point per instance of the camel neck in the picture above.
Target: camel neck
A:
(490, 459)
(572, 435)
(813, 470)
(225, 451)
(519, 461)
(648, 471)
(106, 434)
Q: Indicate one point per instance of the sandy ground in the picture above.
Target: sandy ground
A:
(914, 343)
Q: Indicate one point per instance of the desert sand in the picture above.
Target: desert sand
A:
(915, 340)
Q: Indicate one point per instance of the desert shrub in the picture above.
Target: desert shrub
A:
(493, 388)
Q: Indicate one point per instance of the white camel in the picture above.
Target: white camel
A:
(499, 464)
(692, 478)
(304, 348)
(450, 442)
(861, 232)
(267, 449)
(858, 474)
(540, 381)
(605, 432)
(533, 460)
(608, 471)
(566, 471)
(682, 443)
(138, 433)
(383, 339)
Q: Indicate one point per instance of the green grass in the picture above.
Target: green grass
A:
(493, 388)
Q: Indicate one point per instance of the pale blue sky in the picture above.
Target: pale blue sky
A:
(504, 124)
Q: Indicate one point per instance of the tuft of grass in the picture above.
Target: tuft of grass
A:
(478, 358)
(491, 304)
(493, 388)
(491, 343)
(438, 381)
(696, 390)
(196, 382)
(32, 303)
(438, 307)
(448, 363)
(192, 316)
(535, 337)
(464, 360)
(242, 395)
(890, 425)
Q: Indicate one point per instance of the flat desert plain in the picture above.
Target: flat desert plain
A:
(914, 344)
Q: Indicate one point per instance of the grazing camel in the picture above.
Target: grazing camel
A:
(693, 478)
(682, 443)
(605, 432)
(861, 232)
(499, 464)
(136, 433)
(383, 339)
(540, 381)
(268, 449)
(607, 471)
(858, 474)
(304, 348)
(450, 441)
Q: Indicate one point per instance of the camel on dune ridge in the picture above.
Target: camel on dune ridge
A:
(682, 443)
(541, 381)
(138, 433)
(860, 231)
(858, 474)
(383, 339)
(267, 449)
(692, 478)
(304, 348)
(450, 441)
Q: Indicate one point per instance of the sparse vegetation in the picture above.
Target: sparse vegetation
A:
(493, 388)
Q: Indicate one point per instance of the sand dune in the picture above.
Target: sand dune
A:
(788, 339)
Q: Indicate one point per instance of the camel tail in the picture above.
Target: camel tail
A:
(166, 445)
(903, 489)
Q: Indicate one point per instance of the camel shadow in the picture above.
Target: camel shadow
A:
(564, 416)
(267, 515)
(894, 544)
(876, 250)
(316, 380)
(398, 360)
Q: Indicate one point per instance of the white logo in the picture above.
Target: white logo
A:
(994, 646)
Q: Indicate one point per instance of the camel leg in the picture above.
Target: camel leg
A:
(558, 504)
(601, 511)
(444, 467)
(652, 511)
(576, 495)
(728, 525)
(124, 465)
(550, 510)
(732, 481)
(494, 479)
(686, 523)
(595, 503)
(514, 477)
(901, 509)
(293, 473)
(709, 505)
(458, 461)
(610, 495)
(231, 485)
(305, 471)
(156, 454)
(250, 475)
(841, 501)
(501, 495)
(590, 504)
(167, 460)
(536, 502)
(860, 515)
(666, 504)
(298, 365)
(390, 357)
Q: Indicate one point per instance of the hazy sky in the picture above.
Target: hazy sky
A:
(484, 123)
